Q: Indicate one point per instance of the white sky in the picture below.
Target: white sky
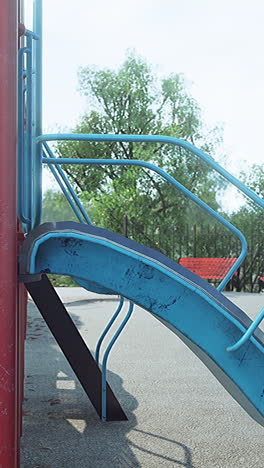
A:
(217, 44)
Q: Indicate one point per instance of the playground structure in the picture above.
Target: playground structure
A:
(218, 332)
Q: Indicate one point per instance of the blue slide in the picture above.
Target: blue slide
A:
(203, 318)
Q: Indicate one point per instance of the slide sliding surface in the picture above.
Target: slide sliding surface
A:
(203, 318)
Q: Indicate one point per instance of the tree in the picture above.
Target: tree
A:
(56, 208)
(254, 178)
(249, 219)
(132, 100)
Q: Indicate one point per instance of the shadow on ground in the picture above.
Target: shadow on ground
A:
(61, 428)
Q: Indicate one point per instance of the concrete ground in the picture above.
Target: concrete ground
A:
(179, 415)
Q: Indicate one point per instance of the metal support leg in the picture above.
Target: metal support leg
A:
(107, 328)
(104, 364)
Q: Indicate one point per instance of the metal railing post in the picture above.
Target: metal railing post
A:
(37, 119)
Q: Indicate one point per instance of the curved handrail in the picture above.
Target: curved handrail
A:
(247, 335)
(179, 186)
(106, 354)
(156, 139)
(107, 328)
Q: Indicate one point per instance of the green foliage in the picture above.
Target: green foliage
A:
(55, 207)
(249, 219)
(132, 100)
(62, 281)
(255, 178)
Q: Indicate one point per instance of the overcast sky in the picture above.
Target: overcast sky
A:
(217, 44)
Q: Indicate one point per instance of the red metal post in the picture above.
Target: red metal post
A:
(9, 430)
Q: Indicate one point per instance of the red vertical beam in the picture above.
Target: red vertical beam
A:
(8, 262)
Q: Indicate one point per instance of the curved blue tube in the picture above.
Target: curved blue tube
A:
(107, 328)
(156, 139)
(248, 333)
(106, 354)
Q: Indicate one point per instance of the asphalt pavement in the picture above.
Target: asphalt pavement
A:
(178, 413)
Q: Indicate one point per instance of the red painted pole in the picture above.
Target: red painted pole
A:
(9, 430)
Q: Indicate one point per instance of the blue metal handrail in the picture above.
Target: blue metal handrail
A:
(22, 170)
(248, 334)
(67, 189)
(107, 328)
(105, 358)
(179, 186)
(29, 126)
(37, 130)
(29, 33)
(156, 139)
(26, 167)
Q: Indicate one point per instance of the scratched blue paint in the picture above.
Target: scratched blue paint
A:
(205, 326)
